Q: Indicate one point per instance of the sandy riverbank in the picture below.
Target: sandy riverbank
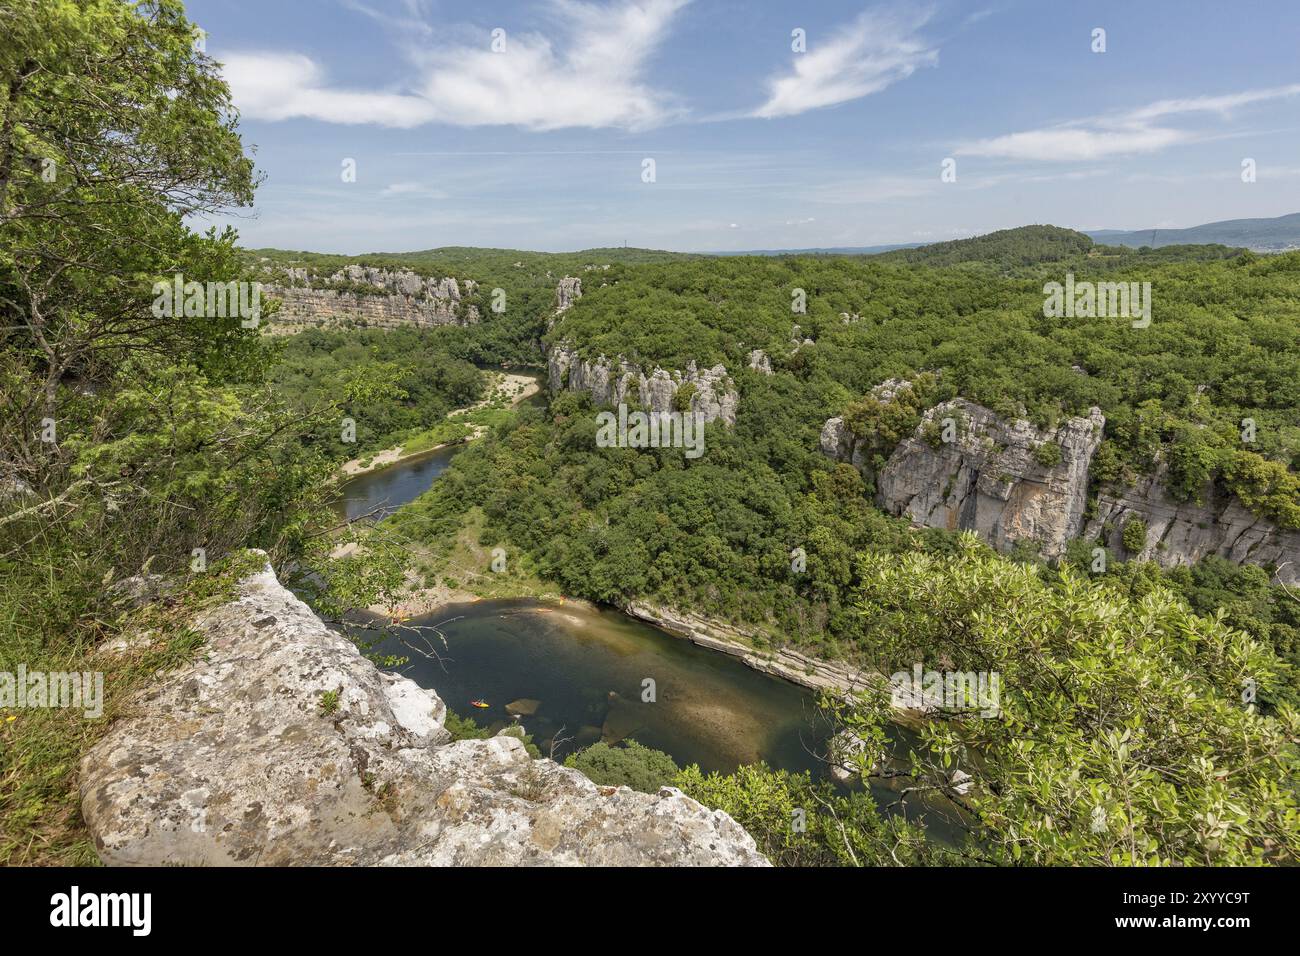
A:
(514, 386)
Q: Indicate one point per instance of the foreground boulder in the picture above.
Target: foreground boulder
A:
(283, 745)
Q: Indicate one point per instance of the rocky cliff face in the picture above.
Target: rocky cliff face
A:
(1185, 532)
(567, 292)
(241, 759)
(609, 383)
(394, 298)
(989, 478)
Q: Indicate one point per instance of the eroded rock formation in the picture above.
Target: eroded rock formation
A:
(567, 292)
(375, 297)
(991, 480)
(1185, 532)
(609, 382)
(283, 745)
(990, 476)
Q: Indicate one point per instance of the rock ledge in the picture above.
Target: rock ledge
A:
(240, 758)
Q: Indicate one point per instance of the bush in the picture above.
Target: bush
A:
(1134, 535)
(625, 765)
(1048, 454)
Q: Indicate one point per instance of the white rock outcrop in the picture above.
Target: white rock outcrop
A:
(1184, 532)
(402, 298)
(567, 292)
(609, 382)
(283, 745)
(988, 478)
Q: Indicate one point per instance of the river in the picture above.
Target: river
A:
(574, 674)
(384, 491)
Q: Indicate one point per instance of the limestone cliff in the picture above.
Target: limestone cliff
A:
(992, 477)
(283, 745)
(567, 292)
(609, 382)
(1185, 532)
(374, 297)
(991, 480)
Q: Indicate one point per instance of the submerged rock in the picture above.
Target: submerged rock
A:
(283, 745)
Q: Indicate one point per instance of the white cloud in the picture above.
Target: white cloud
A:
(876, 50)
(412, 191)
(280, 86)
(590, 76)
(1123, 134)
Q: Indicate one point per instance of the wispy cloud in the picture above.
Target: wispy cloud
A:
(876, 50)
(1123, 134)
(590, 75)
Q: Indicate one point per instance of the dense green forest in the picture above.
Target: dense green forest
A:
(424, 382)
(1221, 347)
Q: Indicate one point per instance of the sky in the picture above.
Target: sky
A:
(727, 125)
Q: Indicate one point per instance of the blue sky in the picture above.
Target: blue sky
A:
(756, 146)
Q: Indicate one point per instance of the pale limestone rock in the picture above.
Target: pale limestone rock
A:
(234, 760)
(409, 299)
(988, 480)
(1184, 532)
(567, 292)
(608, 382)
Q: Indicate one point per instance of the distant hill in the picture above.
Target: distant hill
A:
(1024, 245)
(1278, 234)
(471, 261)
(822, 250)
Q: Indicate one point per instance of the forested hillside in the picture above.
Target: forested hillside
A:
(1221, 347)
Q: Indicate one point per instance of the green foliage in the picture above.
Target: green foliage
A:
(132, 443)
(1048, 454)
(464, 728)
(394, 383)
(329, 703)
(627, 764)
(1221, 347)
(1134, 535)
(1123, 737)
(883, 423)
(1005, 249)
(797, 822)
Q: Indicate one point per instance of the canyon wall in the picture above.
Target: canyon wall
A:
(990, 479)
(393, 298)
(283, 745)
(1184, 532)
